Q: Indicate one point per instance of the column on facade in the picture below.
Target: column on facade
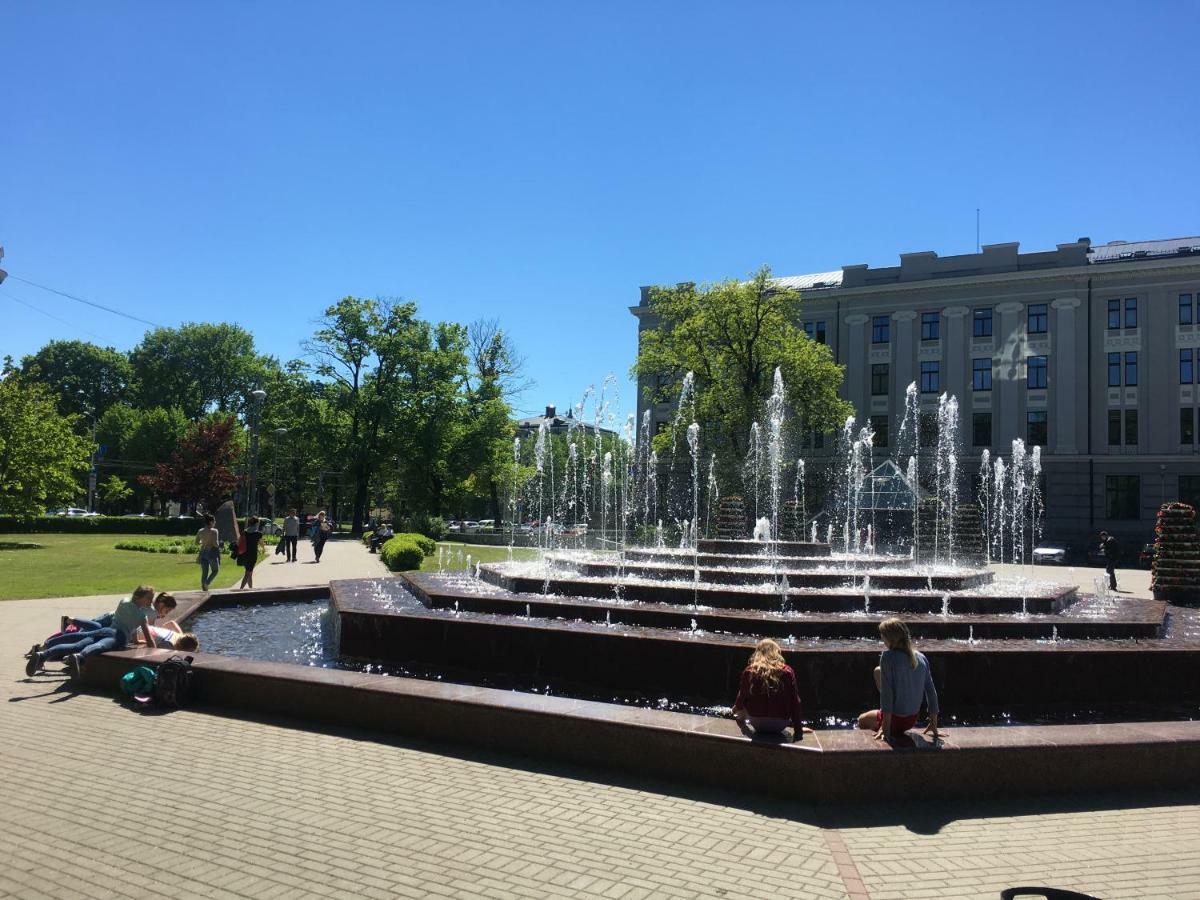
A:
(954, 350)
(856, 364)
(1063, 391)
(902, 354)
(1009, 359)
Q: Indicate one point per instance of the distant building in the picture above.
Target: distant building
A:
(1091, 352)
(555, 423)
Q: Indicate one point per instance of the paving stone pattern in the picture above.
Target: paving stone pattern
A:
(197, 804)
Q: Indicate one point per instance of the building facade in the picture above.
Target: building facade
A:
(1091, 352)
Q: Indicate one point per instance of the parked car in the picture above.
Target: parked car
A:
(1051, 554)
(454, 527)
(470, 527)
(487, 524)
(1146, 557)
(76, 512)
(579, 529)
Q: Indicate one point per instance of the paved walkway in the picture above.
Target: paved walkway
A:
(197, 804)
(340, 559)
(1130, 582)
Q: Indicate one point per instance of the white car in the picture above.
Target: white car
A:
(76, 512)
(1050, 555)
(487, 524)
(470, 527)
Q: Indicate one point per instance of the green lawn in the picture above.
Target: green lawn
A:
(479, 553)
(74, 565)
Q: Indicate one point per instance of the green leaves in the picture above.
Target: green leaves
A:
(40, 453)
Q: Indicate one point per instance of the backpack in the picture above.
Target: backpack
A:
(139, 682)
(173, 686)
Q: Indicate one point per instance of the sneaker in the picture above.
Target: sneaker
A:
(74, 665)
(64, 623)
(34, 663)
(33, 650)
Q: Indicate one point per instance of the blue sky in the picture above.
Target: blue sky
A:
(539, 161)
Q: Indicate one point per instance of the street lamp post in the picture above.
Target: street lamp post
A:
(91, 500)
(258, 397)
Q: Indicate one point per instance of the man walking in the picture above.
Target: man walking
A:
(291, 534)
(1111, 550)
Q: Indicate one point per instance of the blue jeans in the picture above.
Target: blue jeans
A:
(57, 648)
(116, 641)
(210, 565)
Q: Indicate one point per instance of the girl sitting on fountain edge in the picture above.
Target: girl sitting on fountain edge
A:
(767, 694)
(903, 679)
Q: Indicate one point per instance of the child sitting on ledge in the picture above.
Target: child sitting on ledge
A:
(903, 679)
(767, 694)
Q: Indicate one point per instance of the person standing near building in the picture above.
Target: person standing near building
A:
(291, 534)
(209, 557)
(1111, 550)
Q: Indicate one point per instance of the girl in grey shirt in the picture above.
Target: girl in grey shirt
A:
(904, 680)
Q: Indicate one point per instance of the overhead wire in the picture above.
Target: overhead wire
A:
(11, 296)
(92, 303)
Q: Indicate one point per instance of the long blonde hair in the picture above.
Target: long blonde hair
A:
(766, 664)
(895, 635)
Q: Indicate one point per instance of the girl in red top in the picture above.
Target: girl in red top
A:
(767, 694)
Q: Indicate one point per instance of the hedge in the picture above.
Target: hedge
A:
(97, 525)
(401, 554)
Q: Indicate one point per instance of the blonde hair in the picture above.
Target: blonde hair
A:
(895, 635)
(766, 664)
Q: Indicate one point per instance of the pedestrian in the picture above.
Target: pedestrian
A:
(903, 679)
(291, 534)
(209, 556)
(768, 697)
(1110, 550)
(129, 616)
(320, 534)
(248, 557)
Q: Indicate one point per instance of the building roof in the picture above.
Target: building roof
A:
(1118, 251)
(815, 281)
(556, 423)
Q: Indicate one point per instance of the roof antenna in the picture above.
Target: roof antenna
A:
(977, 229)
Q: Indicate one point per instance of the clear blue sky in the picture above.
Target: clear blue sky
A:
(254, 162)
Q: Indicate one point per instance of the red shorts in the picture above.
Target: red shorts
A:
(900, 724)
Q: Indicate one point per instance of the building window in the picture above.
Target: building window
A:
(927, 432)
(1036, 323)
(808, 330)
(1036, 428)
(930, 326)
(1131, 368)
(879, 425)
(815, 331)
(1122, 496)
(879, 379)
(981, 374)
(1035, 373)
(1187, 426)
(1114, 315)
(1114, 428)
(880, 329)
(983, 323)
(1189, 490)
(1187, 371)
(981, 430)
(1131, 312)
(1185, 309)
(820, 332)
(931, 377)
(1114, 370)
(1131, 429)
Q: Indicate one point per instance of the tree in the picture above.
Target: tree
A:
(496, 375)
(732, 336)
(83, 377)
(198, 367)
(201, 470)
(114, 491)
(40, 453)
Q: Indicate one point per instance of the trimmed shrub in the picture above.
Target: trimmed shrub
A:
(366, 538)
(97, 525)
(400, 554)
(430, 526)
(428, 545)
(159, 545)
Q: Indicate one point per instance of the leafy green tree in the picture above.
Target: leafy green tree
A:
(113, 492)
(143, 436)
(198, 367)
(732, 336)
(40, 453)
(83, 377)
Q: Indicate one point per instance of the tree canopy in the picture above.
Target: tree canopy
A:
(83, 377)
(40, 453)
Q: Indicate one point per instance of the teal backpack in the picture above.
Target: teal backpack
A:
(139, 683)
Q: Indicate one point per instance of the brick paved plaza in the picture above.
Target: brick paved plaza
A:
(229, 807)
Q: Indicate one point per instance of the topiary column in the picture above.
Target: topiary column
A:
(731, 518)
(1175, 572)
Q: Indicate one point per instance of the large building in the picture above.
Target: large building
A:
(1093, 352)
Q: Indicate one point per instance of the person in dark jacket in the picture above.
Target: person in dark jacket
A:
(1110, 549)
(767, 694)
(248, 558)
(320, 534)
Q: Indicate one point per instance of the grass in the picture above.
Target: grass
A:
(479, 553)
(76, 565)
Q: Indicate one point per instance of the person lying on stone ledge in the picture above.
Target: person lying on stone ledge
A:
(903, 680)
(768, 697)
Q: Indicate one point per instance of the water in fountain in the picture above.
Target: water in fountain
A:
(867, 594)
(970, 634)
(946, 477)
(1035, 496)
(945, 604)
(1018, 507)
(800, 496)
(915, 487)
(1054, 633)
(1000, 502)
(775, 410)
(685, 414)
(752, 467)
(528, 611)
(762, 529)
(714, 493)
(814, 531)
(984, 498)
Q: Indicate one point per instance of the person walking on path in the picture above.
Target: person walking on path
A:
(209, 557)
(320, 534)
(291, 535)
(248, 557)
(1110, 550)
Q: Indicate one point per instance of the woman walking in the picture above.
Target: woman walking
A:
(209, 557)
(248, 557)
(903, 679)
(767, 693)
(320, 534)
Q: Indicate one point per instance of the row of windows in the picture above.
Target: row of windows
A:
(1123, 494)
(1114, 313)
(1131, 368)
(1037, 318)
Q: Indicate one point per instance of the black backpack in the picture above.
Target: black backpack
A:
(173, 686)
